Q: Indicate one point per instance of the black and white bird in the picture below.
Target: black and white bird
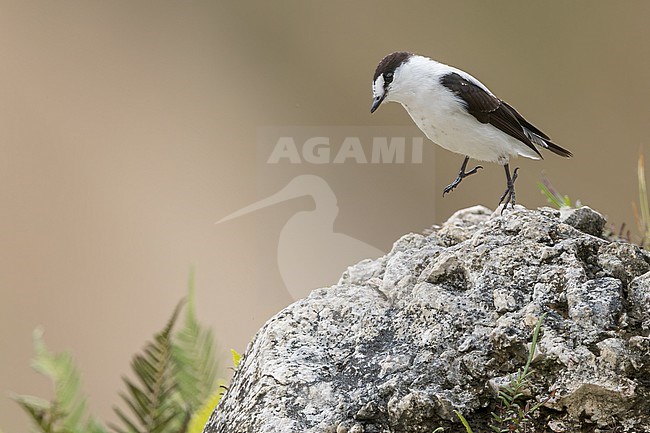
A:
(457, 112)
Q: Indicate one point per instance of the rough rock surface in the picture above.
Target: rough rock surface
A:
(439, 322)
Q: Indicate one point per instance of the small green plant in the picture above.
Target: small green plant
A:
(236, 358)
(511, 415)
(174, 388)
(201, 416)
(553, 196)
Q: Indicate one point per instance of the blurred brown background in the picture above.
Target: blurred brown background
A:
(128, 128)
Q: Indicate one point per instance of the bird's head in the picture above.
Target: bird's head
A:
(387, 77)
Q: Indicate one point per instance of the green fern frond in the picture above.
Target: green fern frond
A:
(154, 401)
(201, 416)
(194, 357)
(43, 413)
(67, 411)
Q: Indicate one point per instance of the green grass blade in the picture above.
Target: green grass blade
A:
(552, 195)
(463, 421)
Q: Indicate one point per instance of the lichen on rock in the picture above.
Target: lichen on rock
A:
(443, 319)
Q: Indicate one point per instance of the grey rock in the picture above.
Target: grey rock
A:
(595, 305)
(462, 224)
(639, 299)
(584, 219)
(443, 320)
(623, 260)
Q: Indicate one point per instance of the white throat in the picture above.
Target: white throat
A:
(378, 87)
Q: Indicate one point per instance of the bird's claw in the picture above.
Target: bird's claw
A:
(450, 187)
(459, 178)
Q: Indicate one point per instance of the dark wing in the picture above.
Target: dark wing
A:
(487, 108)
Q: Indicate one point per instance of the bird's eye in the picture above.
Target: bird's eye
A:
(388, 77)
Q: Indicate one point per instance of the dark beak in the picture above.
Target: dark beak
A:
(377, 102)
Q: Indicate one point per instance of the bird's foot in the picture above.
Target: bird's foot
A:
(509, 193)
(461, 175)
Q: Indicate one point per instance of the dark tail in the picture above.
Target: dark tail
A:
(546, 143)
(557, 149)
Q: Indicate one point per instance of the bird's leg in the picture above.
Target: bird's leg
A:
(509, 193)
(461, 175)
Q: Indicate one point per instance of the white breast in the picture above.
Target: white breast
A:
(460, 132)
